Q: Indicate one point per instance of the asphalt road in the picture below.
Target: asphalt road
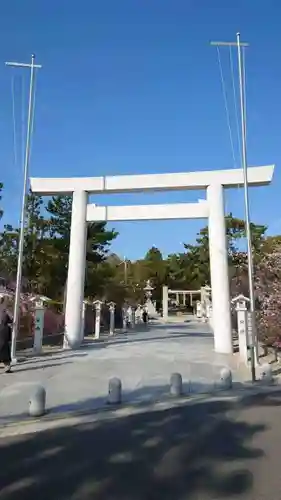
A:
(211, 450)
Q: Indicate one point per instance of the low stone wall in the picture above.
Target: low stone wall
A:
(53, 340)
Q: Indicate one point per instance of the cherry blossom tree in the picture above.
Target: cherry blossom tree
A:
(268, 294)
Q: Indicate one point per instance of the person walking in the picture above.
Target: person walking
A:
(5, 339)
(145, 315)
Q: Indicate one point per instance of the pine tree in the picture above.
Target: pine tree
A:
(98, 241)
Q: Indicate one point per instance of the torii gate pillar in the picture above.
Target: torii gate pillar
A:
(76, 271)
(219, 271)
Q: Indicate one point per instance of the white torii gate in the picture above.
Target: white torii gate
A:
(211, 208)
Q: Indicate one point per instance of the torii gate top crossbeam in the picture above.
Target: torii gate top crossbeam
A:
(151, 182)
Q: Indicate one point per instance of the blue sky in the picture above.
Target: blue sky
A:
(134, 87)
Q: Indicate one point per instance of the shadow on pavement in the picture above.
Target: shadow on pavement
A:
(198, 450)
(180, 325)
(24, 367)
(130, 338)
(144, 336)
(55, 356)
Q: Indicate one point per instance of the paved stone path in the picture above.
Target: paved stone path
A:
(143, 360)
(201, 451)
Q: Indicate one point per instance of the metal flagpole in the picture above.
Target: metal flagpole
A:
(251, 326)
(32, 67)
(247, 210)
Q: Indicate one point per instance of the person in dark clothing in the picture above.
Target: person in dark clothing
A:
(145, 316)
(5, 339)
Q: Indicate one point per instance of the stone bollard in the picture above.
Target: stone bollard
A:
(176, 384)
(266, 374)
(37, 402)
(114, 391)
(225, 379)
